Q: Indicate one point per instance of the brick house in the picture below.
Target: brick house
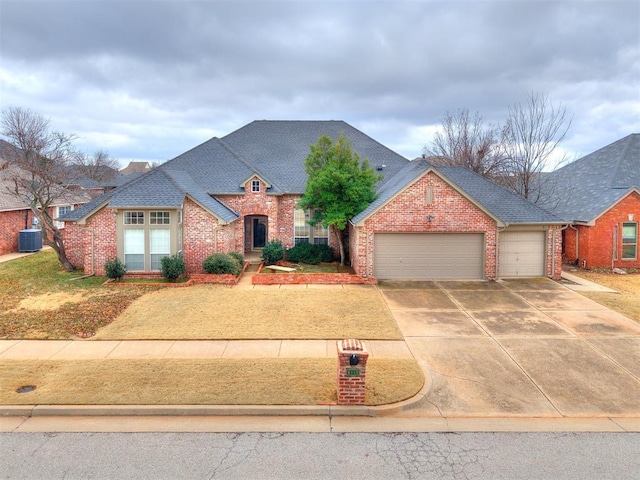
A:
(240, 191)
(15, 214)
(599, 196)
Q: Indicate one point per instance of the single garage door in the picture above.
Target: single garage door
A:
(429, 256)
(522, 254)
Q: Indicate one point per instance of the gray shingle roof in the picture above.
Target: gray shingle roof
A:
(154, 189)
(86, 209)
(121, 180)
(189, 187)
(273, 150)
(503, 204)
(279, 148)
(583, 190)
(499, 202)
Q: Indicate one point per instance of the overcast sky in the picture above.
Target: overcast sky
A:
(150, 79)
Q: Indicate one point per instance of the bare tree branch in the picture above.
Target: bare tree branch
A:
(37, 170)
(99, 167)
(531, 135)
(467, 141)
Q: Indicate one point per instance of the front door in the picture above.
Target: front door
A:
(259, 233)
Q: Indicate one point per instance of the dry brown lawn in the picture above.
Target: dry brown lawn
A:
(626, 302)
(215, 312)
(272, 381)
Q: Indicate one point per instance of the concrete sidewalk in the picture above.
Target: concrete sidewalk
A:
(158, 349)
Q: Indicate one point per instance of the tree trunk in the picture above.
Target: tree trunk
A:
(340, 245)
(52, 237)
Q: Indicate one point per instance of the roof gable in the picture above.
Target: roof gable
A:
(504, 206)
(586, 188)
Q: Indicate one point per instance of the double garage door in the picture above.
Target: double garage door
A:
(456, 256)
(429, 256)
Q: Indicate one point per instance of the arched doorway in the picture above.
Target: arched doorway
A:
(255, 232)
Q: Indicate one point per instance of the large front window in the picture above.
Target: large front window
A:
(629, 241)
(147, 237)
(159, 246)
(134, 249)
(305, 233)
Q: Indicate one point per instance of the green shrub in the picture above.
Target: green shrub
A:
(173, 267)
(309, 253)
(272, 252)
(221, 263)
(115, 268)
(238, 256)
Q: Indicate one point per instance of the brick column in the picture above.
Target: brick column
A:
(351, 375)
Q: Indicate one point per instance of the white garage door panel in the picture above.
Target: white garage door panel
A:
(423, 256)
(522, 254)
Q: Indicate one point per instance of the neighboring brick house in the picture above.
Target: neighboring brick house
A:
(15, 214)
(599, 195)
(238, 192)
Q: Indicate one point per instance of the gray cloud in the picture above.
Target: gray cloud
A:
(150, 79)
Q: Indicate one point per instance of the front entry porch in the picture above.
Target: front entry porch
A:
(255, 233)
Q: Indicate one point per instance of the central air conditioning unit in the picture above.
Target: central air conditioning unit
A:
(30, 240)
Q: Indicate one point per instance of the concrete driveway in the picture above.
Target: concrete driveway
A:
(530, 348)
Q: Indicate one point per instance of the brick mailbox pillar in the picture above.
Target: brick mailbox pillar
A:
(352, 369)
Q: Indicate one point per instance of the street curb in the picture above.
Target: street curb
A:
(218, 410)
(209, 410)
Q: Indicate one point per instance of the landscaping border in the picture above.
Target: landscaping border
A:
(309, 278)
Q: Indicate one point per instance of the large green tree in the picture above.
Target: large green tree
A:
(339, 185)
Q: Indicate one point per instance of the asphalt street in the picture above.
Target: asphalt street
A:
(312, 456)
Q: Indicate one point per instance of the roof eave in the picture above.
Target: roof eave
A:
(221, 220)
(82, 220)
(629, 191)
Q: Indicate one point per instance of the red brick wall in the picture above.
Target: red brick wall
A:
(278, 209)
(11, 223)
(554, 249)
(596, 243)
(450, 211)
(285, 219)
(202, 235)
(91, 245)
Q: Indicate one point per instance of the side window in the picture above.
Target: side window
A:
(305, 233)
(301, 226)
(62, 210)
(159, 218)
(134, 218)
(629, 241)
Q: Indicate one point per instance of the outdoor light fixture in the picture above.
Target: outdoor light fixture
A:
(430, 218)
(354, 360)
